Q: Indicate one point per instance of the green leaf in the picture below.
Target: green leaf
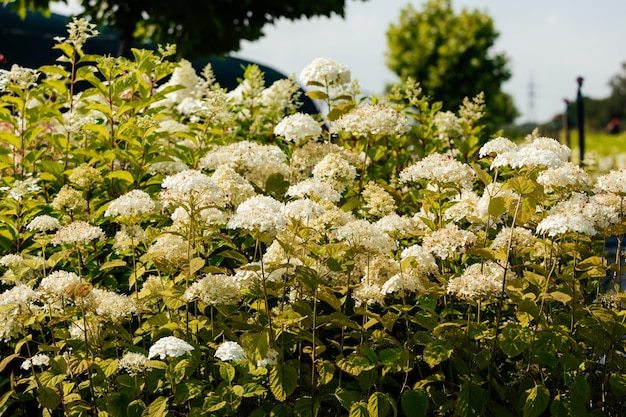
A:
(121, 175)
(497, 206)
(157, 408)
(559, 407)
(346, 398)
(414, 403)
(213, 403)
(281, 410)
(378, 405)
(283, 381)
(113, 264)
(276, 184)
(135, 408)
(325, 371)
(537, 401)
(514, 339)
(359, 409)
(437, 351)
(195, 265)
(559, 296)
(618, 384)
(316, 95)
(471, 400)
(48, 397)
(227, 371)
(305, 408)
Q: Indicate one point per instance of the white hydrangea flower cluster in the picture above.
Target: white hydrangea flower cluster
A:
(129, 236)
(568, 177)
(84, 176)
(191, 187)
(16, 303)
(325, 71)
(270, 359)
(39, 360)
(92, 331)
(169, 347)
(378, 202)
(368, 294)
(519, 238)
(110, 304)
(441, 170)
(419, 259)
(613, 182)
(21, 188)
(542, 152)
(230, 351)
(467, 205)
(43, 223)
(444, 243)
(259, 214)
(396, 226)
(20, 77)
(479, 281)
(236, 187)
(215, 289)
(133, 205)
(298, 128)
(372, 120)
(170, 247)
(403, 281)
(52, 288)
(497, 146)
(304, 210)
(314, 189)
(336, 171)
(133, 363)
(255, 162)
(70, 200)
(578, 214)
(76, 233)
(184, 76)
(304, 158)
(365, 235)
(447, 125)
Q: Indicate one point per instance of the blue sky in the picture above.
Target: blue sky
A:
(549, 43)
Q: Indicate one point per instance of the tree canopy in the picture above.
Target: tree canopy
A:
(197, 27)
(450, 55)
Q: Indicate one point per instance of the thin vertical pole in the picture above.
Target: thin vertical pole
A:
(580, 116)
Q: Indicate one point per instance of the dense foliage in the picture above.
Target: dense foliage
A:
(170, 248)
(200, 28)
(451, 54)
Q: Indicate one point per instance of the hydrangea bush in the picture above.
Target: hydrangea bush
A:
(170, 248)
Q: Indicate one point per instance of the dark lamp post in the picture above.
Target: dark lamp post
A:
(580, 116)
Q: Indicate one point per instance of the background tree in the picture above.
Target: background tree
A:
(450, 56)
(197, 27)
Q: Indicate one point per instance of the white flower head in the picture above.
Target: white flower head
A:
(133, 204)
(298, 128)
(77, 232)
(325, 71)
(169, 347)
(372, 120)
(440, 169)
(230, 351)
(39, 359)
(43, 223)
(259, 214)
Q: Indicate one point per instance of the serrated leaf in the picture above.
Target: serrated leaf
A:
(537, 401)
(283, 381)
(414, 403)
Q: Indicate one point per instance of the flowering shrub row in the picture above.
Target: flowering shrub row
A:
(171, 248)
